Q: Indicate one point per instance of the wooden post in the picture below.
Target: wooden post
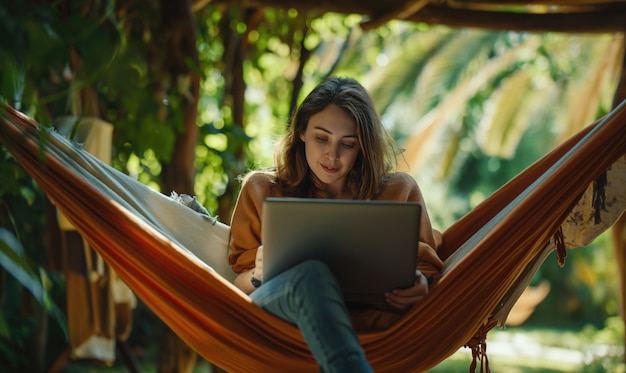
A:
(619, 228)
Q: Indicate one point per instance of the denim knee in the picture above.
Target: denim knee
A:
(312, 271)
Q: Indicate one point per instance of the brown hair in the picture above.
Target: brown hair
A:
(377, 153)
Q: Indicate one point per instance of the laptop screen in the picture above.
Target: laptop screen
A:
(370, 246)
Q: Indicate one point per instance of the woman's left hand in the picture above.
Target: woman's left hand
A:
(403, 299)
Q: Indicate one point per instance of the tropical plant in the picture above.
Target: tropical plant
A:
(488, 105)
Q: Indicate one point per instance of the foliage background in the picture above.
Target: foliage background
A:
(471, 108)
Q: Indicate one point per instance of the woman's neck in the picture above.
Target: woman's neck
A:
(321, 190)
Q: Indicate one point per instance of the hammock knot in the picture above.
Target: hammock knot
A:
(559, 242)
(478, 345)
(599, 196)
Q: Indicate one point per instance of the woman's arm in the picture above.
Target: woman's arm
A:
(403, 187)
(245, 230)
(249, 280)
(244, 281)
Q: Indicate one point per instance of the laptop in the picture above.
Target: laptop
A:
(370, 246)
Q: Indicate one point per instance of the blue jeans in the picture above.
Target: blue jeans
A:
(308, 295)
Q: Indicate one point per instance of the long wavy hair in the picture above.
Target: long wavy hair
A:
(377, 156)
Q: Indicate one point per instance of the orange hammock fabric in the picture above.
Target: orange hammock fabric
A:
(165, 252)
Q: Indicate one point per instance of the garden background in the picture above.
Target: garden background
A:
(199, 94)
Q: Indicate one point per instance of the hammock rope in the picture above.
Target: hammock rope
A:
(174, 259)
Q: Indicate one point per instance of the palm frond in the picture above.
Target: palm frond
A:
(452, 107)
(503, 122)
(586, 96)
(399, 77)
(451, 64)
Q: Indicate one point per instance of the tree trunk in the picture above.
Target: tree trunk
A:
(619, 246)
(174, 355)
(179, 24)
(619, 228)
(178, 174)
(235, 50)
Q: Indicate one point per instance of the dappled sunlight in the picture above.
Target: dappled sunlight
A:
(515, 350)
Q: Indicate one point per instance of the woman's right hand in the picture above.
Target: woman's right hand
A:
(403, 299)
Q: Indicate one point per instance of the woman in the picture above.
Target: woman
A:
(336, 147)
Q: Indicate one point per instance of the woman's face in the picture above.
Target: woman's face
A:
(331, 147)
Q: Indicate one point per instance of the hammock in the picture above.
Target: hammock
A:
(174, 259)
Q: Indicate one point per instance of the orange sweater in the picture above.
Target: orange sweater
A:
(246, 233)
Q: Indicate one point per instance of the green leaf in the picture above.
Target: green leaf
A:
(13, 259)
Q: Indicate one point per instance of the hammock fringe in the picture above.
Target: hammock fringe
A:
(478, 346)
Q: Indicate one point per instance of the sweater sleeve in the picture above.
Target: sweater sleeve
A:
(245, 226)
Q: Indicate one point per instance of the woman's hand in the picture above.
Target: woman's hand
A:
(403, 299)
(258, 264)
(244, 280)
